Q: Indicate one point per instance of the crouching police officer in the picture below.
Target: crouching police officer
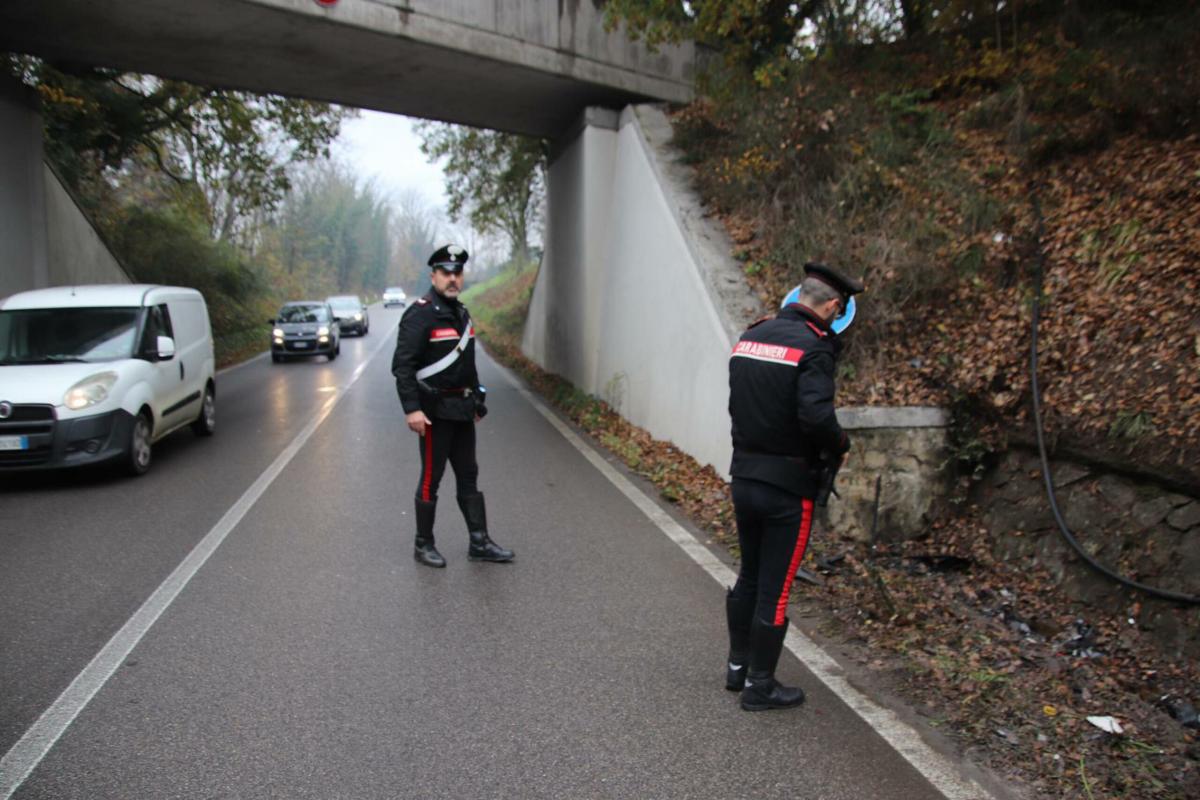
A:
(434, 365)
(785, 435)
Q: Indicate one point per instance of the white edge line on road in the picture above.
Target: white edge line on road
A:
(933, 766)
(249, 360)
(28, 752)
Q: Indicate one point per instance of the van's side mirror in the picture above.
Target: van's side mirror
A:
(270, 322)
(166, 348)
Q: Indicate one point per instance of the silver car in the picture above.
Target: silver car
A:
(351, 313)
(394, 296)
(305, 328)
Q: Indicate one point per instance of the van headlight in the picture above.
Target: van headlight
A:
(91, 390)
(323, 331)
(277, 333)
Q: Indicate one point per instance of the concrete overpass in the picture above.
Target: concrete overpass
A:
(637, 299)
(524, 66)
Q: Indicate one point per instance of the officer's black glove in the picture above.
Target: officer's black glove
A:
(480, 402)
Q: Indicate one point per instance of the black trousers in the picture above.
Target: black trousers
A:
(453, 441)
(773, 528)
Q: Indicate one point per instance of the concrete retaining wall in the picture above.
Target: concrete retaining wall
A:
(639, 301)
(22, 192)
(75, 253)
(45, 240)
(631, 301)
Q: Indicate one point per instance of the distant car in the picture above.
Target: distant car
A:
(97, 373)
(305, 328)
(351, 313)
(394, 296)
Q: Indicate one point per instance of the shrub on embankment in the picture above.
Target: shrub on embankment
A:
(916, 163)
(164, 246)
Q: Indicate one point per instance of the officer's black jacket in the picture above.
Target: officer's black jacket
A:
(430, 328)
(781, 388)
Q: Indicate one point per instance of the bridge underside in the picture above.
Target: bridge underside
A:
(372, 55)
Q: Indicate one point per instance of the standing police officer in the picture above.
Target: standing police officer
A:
(434, 365)
(785, 433)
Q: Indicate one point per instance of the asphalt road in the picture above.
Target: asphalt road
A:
(311, 657)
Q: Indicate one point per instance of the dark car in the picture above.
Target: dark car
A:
(351, 313)
(305, 328)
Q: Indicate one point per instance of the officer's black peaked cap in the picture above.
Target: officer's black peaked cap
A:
(846, 286)
(451, 258)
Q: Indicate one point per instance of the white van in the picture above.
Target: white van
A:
(100, 373)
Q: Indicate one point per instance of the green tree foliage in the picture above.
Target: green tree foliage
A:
(332, 233)
(753, 33)
(416, 228)
(497, 180)
(748, 32)
(192, 186)
(236, 147)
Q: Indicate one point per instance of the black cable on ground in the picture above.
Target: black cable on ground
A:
(1041, 441)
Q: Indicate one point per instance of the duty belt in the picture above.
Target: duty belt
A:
(458, 392)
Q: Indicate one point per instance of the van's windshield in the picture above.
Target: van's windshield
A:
(55, 335)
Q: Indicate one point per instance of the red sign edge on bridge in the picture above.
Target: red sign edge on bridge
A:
(327, 3)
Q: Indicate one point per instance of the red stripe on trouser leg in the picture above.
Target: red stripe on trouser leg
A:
(797, 557)
(428, 476)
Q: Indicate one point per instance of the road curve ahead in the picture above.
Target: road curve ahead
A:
(310, 657)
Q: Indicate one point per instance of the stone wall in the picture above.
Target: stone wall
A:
(906, 448)
(1136, 527)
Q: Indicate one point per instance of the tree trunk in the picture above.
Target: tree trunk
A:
(912, 13)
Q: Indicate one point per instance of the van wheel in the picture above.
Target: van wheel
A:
(336, 351)
(276, 357)
(138, 457)
(206, 423)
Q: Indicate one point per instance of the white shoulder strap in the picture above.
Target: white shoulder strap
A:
(445, 361)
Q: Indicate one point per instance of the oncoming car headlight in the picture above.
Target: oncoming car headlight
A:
(323, 331)
(91, 390)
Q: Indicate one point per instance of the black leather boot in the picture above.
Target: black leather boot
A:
(738, 613)
(762, 691)
(481, 548)
(423, 550)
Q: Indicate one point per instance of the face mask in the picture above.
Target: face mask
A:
(839, 323)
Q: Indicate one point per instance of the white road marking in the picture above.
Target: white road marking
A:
(933, 766)
(249, 360)
(28, 752)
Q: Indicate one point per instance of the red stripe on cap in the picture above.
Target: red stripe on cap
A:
(763, 351)
(797, 557)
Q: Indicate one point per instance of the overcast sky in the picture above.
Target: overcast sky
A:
(385, 148)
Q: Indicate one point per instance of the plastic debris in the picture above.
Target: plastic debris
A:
(1050, 711)
(1181, 711)
(1083, 643)
(1107, 724)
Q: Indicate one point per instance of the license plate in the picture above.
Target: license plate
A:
(14, 442)
(301, 345)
